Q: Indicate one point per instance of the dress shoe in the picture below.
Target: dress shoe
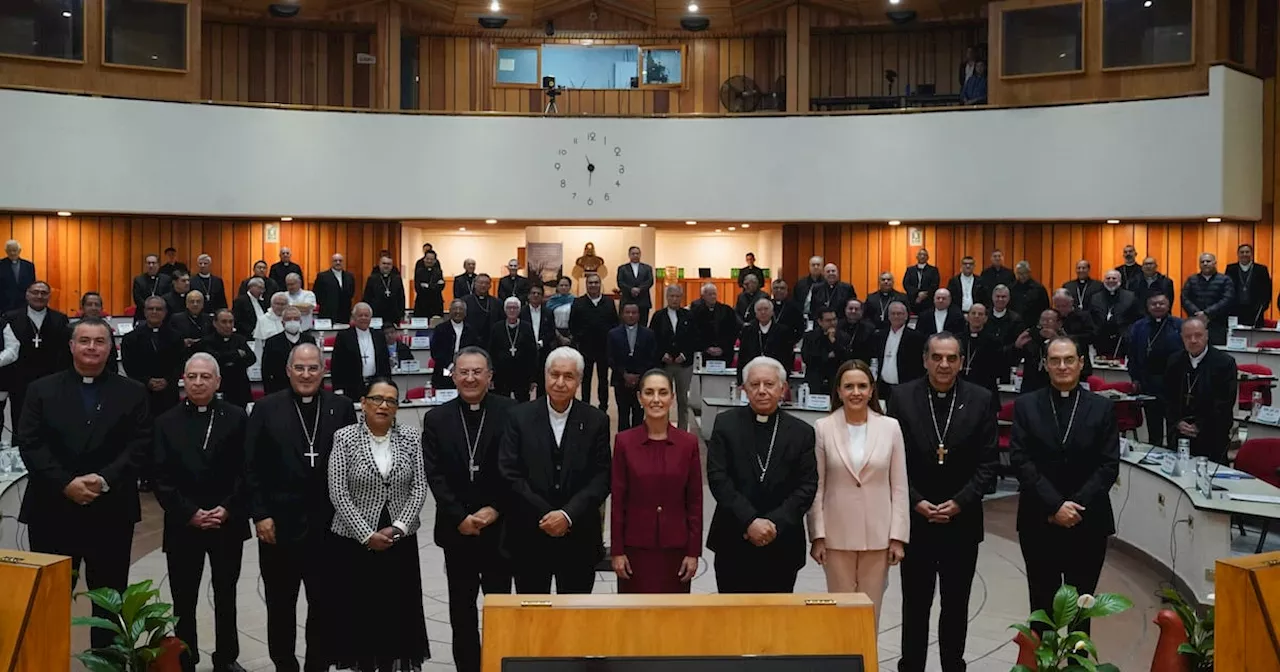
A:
(229, 667)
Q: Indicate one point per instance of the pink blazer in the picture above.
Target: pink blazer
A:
(863, 510)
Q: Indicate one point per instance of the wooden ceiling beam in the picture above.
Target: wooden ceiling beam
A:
(443, 10)
(543, 10)
(644, 12)
(745, 10)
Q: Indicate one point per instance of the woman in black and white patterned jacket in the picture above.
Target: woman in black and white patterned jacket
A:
(378, 488)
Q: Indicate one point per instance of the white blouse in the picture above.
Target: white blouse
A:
(380, 446)
(857, 445)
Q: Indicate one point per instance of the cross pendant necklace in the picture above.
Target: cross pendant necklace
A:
(941, 433)
(311, 436)
(768, 457)
(36, 341)
(386, 287)
(472, 467)
(512, 341)
(1070, 421)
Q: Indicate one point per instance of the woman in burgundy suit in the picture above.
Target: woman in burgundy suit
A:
(657, 498)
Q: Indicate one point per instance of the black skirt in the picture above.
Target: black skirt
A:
(377, 611)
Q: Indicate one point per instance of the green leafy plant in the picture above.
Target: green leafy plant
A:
(140, 625)
(1199, 645)
(655, 71)
(1062, 647)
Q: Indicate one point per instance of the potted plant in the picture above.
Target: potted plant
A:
(1061, 647)
(142, 627)
(1198, 648)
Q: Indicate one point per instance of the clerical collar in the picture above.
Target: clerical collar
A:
(512, 325)
(473, 407)
(1083, 282)
(1196, 359)
(1065, 394)
(942, 394)
(999, 313)
(762, 419)
(206, 276)
(305, 400)
(199, 409)
(88, 380)
(1157, 320)
(631, 327)
(1112, 292)
(922, 266)
(155, 330)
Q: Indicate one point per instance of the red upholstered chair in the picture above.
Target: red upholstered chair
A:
(1267, 324)
(1261, 459)
(416, 393)
(1247, 388)
(1096, 383)
(431, 363)
(328, 364)
(1128, 413)
(1270, 344)
(799, 365)
(330, 340)
(130, 311)
(328, 387)
(1005, 433)
(258, 394)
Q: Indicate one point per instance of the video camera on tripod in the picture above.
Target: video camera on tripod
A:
(549, 87)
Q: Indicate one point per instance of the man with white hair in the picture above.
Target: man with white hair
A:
(514, 349)
(714, 325)
(764, 336)
(1114, 310)
(199, 463)
(281, 269)
(1027, 297)
(16, 275)
(304, 299)
(554, 458)
(513, 284)
(334, 290)
(250, 306)
(384, 292)
(214, 290)
(358, 355)
(805, 285)
(271, 322)
(763, 474)
(464, 283)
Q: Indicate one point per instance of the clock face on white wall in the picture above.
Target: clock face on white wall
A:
(589, 169)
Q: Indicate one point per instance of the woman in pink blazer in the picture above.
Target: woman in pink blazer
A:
(860, 519)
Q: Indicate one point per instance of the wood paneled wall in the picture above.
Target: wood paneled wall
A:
(94, 77)
(863, 251)
(267, 64)
(457, 73)
(103, 254)
(853, 64)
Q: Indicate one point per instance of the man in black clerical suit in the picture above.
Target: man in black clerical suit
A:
(543, 322)
(1154, 282)
(1027, 297)
(1034, 343)
(823, 352)
(16, 275)
(762, 472)
(1066, 450)
(334, 290)
(944, 317)
(281, 269)
(554, 459)
(860, 330)
(359, 355)
(152, 354)
(214, 290)
(764, 336)
(920, 282)
(288, 442)
(673, 328)
(806, 285)
(513, 284)
(592, 316)
(876, 306)
(715, 325)
(450, 337)
(983, 357)
(514, 349)
(176, 299)
(1113, 311)
(1200, 388)
(997, 273)
(483, 311)
(1082, 289)
(1253, 287)
(1076, 323)
(1130, 270)
(968, 288)
(460, 456)
(171, 264)
(82, 433)
(633, 349)
(745, 306)
(192, 324)
(785, 311)
(464, 282)
(1004, 325)
(833, 292)
(384, 292)
(234, 356)
(1157, 340)
(635, 284)
(428, 285)
(898, 351)
(244, 310)
(750, 271)
(946, 488)
(151, 282)
(91, 306)
(43, 334)
(275, 350)
(198, 469)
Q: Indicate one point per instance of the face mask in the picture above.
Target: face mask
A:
(292, 326)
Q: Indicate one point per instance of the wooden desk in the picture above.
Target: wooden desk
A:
(1247, 619)
(35, 611)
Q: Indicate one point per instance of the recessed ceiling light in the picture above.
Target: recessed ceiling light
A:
(690, 222)
(1113, 221)
(494, 6)
(1147, 3)
(66, 15)
(490, 221)
(643, 225)
(746, 226)
(894, 2)
(286, 219)
(462, 228)
(1062, 55)
(155, 57)
(693, 6)
(717, 230)
(733, 228)
(894, 222)
(63, 213)
(1214, 220)
(586, 43)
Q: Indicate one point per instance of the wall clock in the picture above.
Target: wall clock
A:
(589, 169)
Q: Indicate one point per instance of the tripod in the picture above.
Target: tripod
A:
(552, 108)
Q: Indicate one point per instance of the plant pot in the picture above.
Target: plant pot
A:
(1026, 651)
(171, 659)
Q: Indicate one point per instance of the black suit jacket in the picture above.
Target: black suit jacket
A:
(927, 324)
(347, 366)
(335, 301)
(188, 477)
(910, 353)
(968, 469)
(519, 369)
(1112, 315)
(1050, 472)
(789, 486)
(279, 271)
(628, 279)
(275, 357)
(235, 356)
(621, 358)
(145, 287)
(876, 307)
(788, 312)
(1213, 389)
(517, 287)
(984, 362)
(463, 285)
(545, 329)
(442, 338)
(862, 338)
(745, 305)
(542, 477)
(590, 324)
(214, 290)
(60, 440)
(716, 327)
(682, 340)
(144, 359)
(480, 320)
(13, 292)
(185, 325)
(915, 280)
(981, 291)
(54, 353)
(1034, 373)
(245, 314)
(376, 288)
(778, 344)
(445, 459)
(822, 358)
(992, 276)
(1160, 284)
(1029, 299)
(831, 296)
(1081, 294)
(1258, 282)
(281, 482)
(269, 287)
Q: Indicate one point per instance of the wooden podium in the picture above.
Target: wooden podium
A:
(1247, 614)
(677, 625)
(35, 611)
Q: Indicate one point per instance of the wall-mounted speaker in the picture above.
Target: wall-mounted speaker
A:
(283, 10)
(695, 24)
(550, 28)
(492, 22)
(901, 16)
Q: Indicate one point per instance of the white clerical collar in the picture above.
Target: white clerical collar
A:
(631, 327)
(922, 266)
(155, 330)
(557, 414)
(206, 276)
(202, 409)
(511, 324)
(595, 300)
(307, 400)
(474, 407)
(1000, 313)
(1196, 359)
(764, 328)
(1246, 267)
(88, 380)
(1065, 393)
(1112, 292)
(762, 418)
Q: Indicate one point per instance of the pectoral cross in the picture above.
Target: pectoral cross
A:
(942, 452)
(312, 456)
(386, 293)
(36, 341)
(513, 351)
(473, 468)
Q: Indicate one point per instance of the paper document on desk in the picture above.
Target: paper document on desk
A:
(1260, 499)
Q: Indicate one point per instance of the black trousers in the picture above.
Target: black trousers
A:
(571, 578)
(286, 568)
(185, 559)
(104, 549)
(600, 366)
(1154, 420)
(951, 566)
(1055, 556)
(629, 412)
(513, 388)
(743, 575)
(471, 568)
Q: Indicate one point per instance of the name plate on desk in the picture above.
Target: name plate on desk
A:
(714, 366)
(419, 343)
(446, 395)
(1233, 322)
(409, 366)
(375, 323)
(124, 328)
(1237, 342)
(419, 323)
(1170, 465)
(1268, 415)
(818, 402)
(322, 324)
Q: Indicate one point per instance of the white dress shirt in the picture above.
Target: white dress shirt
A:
(857, 445)
(558, 422)
(37, 317)
(1196, 359)
(307, 298)
(674, 317)
(939, 319)
(635, 270)
(535, 317)
(999, 313)
(337, 275)
(368, 367)
(380, 446)
(966, 292)
(11, 347)
(595, 300)
(889, 367)
(457, 335)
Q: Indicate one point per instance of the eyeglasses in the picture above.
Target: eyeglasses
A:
(383, 401)
(306, 368)
(469, 373)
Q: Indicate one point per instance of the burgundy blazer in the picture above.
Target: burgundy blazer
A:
(657, 492)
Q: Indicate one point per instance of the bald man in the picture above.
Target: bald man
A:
(281, 269)
(833, 292)
(335, 288)
(1083, 287)
(1210, 295)
(1113, 310)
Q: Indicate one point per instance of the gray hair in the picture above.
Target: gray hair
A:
(287, 309)
(1000, 287)
(1022, 266)
(206, 358)
(305, 345)
(12, 243)
(360, 305)
(1060, 292)
(565, 353)
(293, 275)
(255, 281)
(706, 286)
(766, 363)
(673, 289)
(203, 257)
(816, 258)
(510, 300)
(763, 299)
(283, 296)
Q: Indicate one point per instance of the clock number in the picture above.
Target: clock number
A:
(622, 170)
(591, 137)
(575, 141)
(562, 184)
(606, 195)
(591, 201)
(617, 151)
(564, 152)
(618, 183)
(557, 165)
(575, 195)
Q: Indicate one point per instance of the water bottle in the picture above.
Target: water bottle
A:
(875, 367)
(1256, 405)
(1184, 456)
(697, 361)
(803, 396)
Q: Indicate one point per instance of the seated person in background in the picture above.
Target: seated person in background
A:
(397, 349)
(276, 349)
(975, 88)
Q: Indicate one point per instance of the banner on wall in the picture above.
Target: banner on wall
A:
(546, 261)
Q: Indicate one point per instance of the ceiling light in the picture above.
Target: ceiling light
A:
(63, 213)
(66, 15)
(490, 221)
(462, 228)
(1113, 221)
(586, 43)
(733, 228)
(717, 230)
(1213, 220)
(894, 2)
(1147, 3)
(894, 222)
(1062, 55)
(746, 226)
(643, 225)
(690, 222)
(494, 6)
(286, 219)
(154, 57)
(693, 6)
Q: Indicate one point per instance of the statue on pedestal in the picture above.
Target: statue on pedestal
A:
(589, 263)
